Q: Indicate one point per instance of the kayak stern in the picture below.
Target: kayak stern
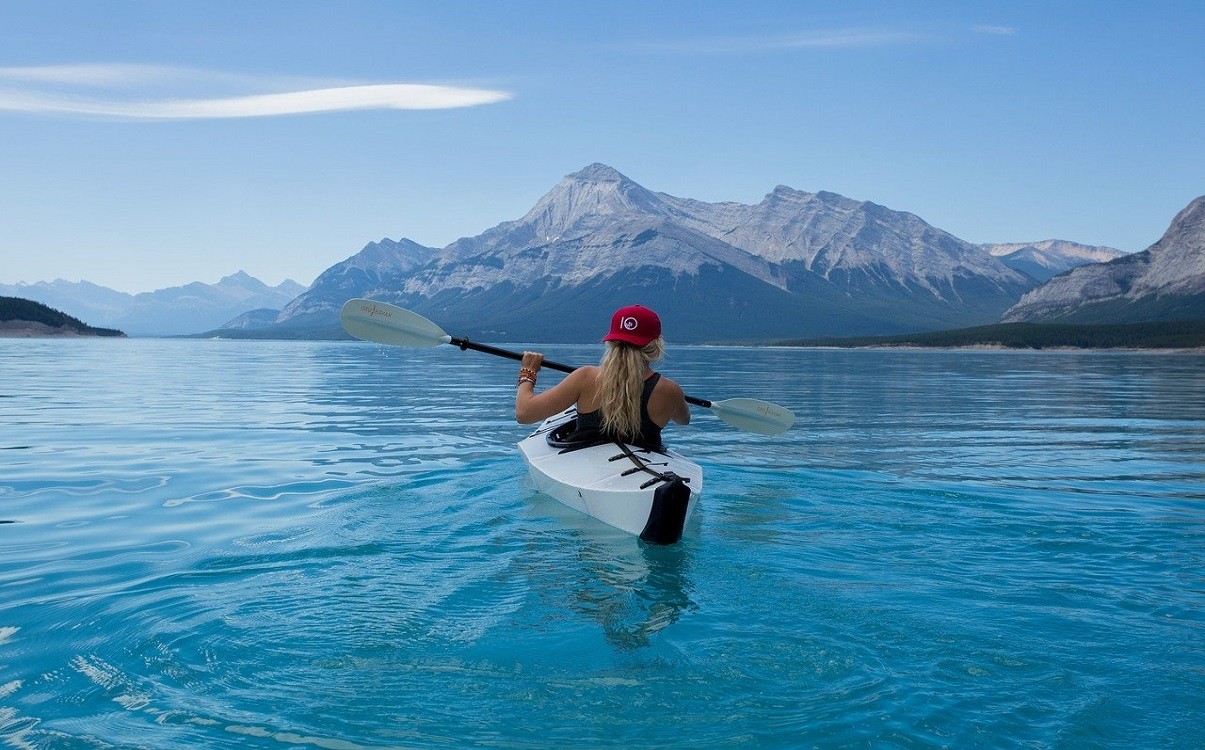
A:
(650, 494)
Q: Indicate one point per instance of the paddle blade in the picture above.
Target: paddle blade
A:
(754, 415)
(384, 323)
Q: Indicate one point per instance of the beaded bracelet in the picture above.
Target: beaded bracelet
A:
(526, 379)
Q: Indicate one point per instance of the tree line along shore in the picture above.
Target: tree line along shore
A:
(1183, 334)
(23, 318)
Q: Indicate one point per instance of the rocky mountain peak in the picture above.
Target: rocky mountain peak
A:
(784, 192)
(1189, 225)
(595, 193)
(404, 253)
(1164, 282)
(598, 172)
(1177, 260)
(243, 280)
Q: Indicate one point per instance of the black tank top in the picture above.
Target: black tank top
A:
(650, 433)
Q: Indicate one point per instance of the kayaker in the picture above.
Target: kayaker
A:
(622, 398)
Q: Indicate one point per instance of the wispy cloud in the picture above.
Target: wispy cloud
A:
(811, 39)
(994, 30)
(144, 92)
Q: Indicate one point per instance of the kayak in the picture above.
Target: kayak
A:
(649, 493)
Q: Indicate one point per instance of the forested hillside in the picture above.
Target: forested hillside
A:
(28, 318)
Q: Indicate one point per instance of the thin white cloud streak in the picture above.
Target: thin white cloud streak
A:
(72, 90)
(826, 39)
(114, 74)
(127, 75)
(382, 96)
(995, 30)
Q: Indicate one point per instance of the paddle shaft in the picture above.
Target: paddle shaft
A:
(508, 354)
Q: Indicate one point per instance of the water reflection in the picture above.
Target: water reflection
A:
(633, 591)
(578, 564)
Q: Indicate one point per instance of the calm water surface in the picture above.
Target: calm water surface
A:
(232, 544)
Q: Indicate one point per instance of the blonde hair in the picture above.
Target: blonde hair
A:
(621, 384)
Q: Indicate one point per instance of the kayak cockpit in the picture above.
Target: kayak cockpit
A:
(567, 437)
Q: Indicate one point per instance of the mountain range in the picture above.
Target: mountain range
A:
(1049, 258)
(1164, 282)
(795, 264)
(186, 309)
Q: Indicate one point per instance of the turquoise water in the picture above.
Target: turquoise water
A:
(233, 544)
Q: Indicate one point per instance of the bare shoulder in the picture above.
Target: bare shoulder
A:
(671, 387)
(671, 401)
(583, 375)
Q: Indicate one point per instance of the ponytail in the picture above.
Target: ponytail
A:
(622, 383)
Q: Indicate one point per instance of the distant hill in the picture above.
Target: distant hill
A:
(252, 319)
(24, 318)
(795, 264)
(190, 308)
(379, 265)
(1165, 282)
(1046, 259)
(199, 307)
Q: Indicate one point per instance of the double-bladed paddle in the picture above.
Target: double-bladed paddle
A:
(383, 323)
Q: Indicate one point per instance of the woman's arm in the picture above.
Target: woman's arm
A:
(531, 406)
(674, 401)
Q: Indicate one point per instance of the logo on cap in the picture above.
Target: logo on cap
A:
(629, 324)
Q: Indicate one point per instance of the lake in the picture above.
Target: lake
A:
(335, 545)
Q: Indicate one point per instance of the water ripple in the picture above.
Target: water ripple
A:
(333, 545)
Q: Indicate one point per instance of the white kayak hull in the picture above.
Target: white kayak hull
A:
(647, 493)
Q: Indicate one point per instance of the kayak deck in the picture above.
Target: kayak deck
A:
(650, 493)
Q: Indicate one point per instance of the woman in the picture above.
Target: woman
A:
(622, 398)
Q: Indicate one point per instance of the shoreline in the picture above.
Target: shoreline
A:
(27, 329)
(1002, 348)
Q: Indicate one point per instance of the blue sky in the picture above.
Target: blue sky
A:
(149, 144)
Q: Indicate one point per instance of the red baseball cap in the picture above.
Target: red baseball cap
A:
(634, 324)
